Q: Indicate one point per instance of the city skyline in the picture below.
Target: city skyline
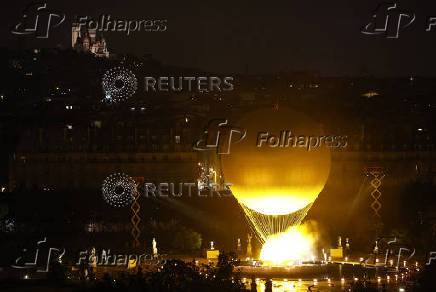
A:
(253, 42)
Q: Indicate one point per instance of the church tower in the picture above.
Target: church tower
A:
(75, 34)
(87, 40)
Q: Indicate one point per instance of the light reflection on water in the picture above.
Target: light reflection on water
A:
(300, 286)
(294, 286)
(328, 278)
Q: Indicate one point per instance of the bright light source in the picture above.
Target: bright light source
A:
(370, 94)
(288, 247)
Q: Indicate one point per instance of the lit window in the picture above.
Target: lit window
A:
(97, 124)
(177, 139)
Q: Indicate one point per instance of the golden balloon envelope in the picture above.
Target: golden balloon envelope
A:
(282, 179)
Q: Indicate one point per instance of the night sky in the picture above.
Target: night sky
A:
(254, 36)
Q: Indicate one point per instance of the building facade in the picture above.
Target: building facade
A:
(87, 40)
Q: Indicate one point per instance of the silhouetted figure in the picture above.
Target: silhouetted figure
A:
(253, 284)
(56, 272)
(91, 274)
(139, 272)
(83, 269)
(268, 285)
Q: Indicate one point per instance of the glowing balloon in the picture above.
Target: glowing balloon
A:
(278, 168)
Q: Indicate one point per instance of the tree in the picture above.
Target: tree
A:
(186, 239)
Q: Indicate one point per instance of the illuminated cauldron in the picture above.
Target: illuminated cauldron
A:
(279, 169)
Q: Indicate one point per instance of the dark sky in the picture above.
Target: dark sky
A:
(258, 36)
